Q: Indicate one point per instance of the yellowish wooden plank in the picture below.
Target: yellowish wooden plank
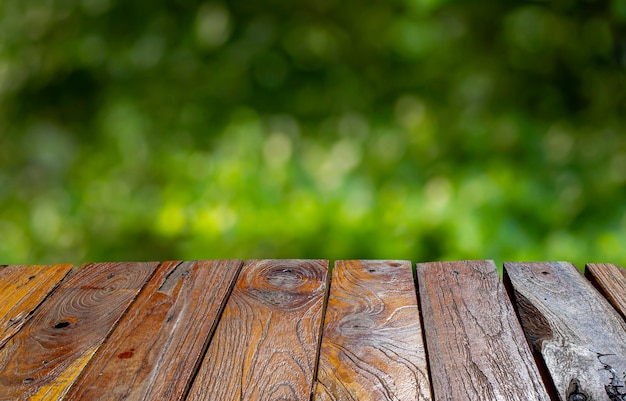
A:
(372, 346)
(46, 356)
(22, 289)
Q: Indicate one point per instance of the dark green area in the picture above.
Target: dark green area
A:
(416, 129)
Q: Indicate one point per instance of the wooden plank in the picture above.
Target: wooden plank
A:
(159, 342)
(580, 337)
(22, 289)
(372, 347)
(265, 345)
(610, 280)
(476, 347)
(44, 358)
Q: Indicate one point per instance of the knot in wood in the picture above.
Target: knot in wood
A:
(577, 397)
(573, 392)
(283, 284)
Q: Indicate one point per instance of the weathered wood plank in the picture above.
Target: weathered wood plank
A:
(158, 344)
(22, 289)
(610, 280)
(44, 358)
(372, 347)
(476, 347)
(580, 337)
(265, 345)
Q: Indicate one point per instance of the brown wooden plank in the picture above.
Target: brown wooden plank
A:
(610, 280)
(265, 345)
(372, 347)
(44, 358)
(476, 347)
(22, 289)
(580, 337)
(159, 342)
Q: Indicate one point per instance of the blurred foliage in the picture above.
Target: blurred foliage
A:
(405, 129)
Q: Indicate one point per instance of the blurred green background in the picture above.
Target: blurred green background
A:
(406, 129)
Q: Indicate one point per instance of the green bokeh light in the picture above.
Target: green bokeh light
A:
(421, 130)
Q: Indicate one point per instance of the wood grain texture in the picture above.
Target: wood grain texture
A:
(265, 345)
(372, 346)
(22, 289)
(476, 347)
(610, 280)
(580, 337)
(159, 342)
(45, 357)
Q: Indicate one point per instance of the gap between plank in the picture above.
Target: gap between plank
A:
(321, 331)
(205, 348)
(541, 366)
(423, 331)
(114, 327)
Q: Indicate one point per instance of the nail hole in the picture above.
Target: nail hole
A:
(61, 325)
(110, 276)
(371, 270)
(545, 273)
(31, 277)
(455, 272)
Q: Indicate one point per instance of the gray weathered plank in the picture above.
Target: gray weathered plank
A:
(580, 337)
(610, 280)
(372, 346)
(476, 347)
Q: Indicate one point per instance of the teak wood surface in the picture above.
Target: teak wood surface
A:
(372, 347)
(268, 330)
(43, 359)
(265, 345)
(159, 343)
(611, 282)
(28, 286)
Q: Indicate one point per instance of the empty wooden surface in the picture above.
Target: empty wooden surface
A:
(372, 347)
(476, 347)
(265, 345)
(611, 281)
(208, 331)
(158, 345)
(580, 336)
(22, 289)
(44, 358)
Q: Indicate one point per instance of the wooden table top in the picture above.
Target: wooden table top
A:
(292, 330)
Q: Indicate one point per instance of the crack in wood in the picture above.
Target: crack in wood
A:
(614, 390)
(173, 278)
(536, 326)
(574, 393)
